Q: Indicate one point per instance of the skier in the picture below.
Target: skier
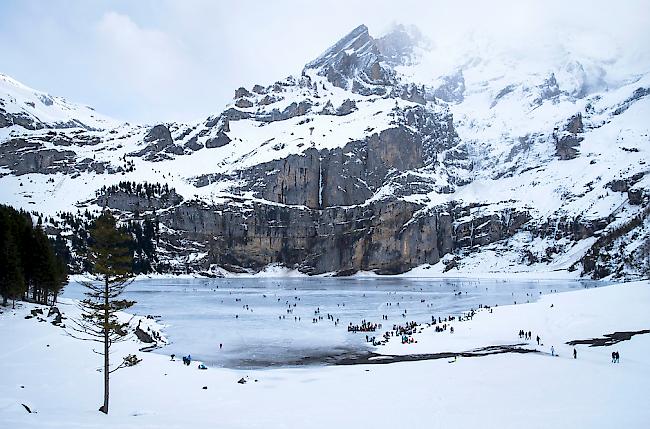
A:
(552, 351)
(538, 340)
(575, 354)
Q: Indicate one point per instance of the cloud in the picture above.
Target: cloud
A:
(149, 62)
(181, 60)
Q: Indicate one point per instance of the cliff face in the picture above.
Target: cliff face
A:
(387, 237)
(348, 175)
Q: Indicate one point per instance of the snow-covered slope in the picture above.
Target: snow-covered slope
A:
(374, 158)
(32, 109)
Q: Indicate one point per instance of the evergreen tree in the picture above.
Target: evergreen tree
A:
(44, 275)
(111, 260)
(12, 282)
(61, 260)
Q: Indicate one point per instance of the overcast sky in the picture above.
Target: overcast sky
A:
(157, 60)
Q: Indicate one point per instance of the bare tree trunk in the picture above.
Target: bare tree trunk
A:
(104, 408)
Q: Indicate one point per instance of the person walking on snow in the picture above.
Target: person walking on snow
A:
(538, 340)
(575, 354)
(552, 351)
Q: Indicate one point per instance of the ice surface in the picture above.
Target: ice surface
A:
(202, 313)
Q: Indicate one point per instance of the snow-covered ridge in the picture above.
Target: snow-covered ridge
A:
(531, 160)
(22, 105)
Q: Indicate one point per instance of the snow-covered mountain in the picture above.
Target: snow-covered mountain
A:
(372, 158)
(33, 110)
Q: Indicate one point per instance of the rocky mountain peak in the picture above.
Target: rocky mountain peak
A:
(358, 42)
(356, 63)
(363, 64)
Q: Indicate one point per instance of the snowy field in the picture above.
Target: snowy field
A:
(56, 377)
(265, 322)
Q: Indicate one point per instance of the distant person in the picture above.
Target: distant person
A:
(575, 354)
(552, 351)
(538, 340)
(220, 346)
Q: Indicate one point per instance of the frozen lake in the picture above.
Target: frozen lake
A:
(264, 322)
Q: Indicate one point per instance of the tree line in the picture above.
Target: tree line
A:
(143, 190)
(35, 267)
(32, 266)
(144, 233)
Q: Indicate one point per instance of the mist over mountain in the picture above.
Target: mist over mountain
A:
(179, 61)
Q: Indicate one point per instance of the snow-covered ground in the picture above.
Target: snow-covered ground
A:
(56, 376)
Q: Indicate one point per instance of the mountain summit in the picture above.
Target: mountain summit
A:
(365, 65)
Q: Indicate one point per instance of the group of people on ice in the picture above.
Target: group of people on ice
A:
(364, 327)
(407, 339)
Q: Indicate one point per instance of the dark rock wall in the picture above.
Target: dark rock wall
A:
(388, 236)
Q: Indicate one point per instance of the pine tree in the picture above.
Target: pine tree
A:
(45, 278)
(12, 282)
(111, 260)
(61, 260)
